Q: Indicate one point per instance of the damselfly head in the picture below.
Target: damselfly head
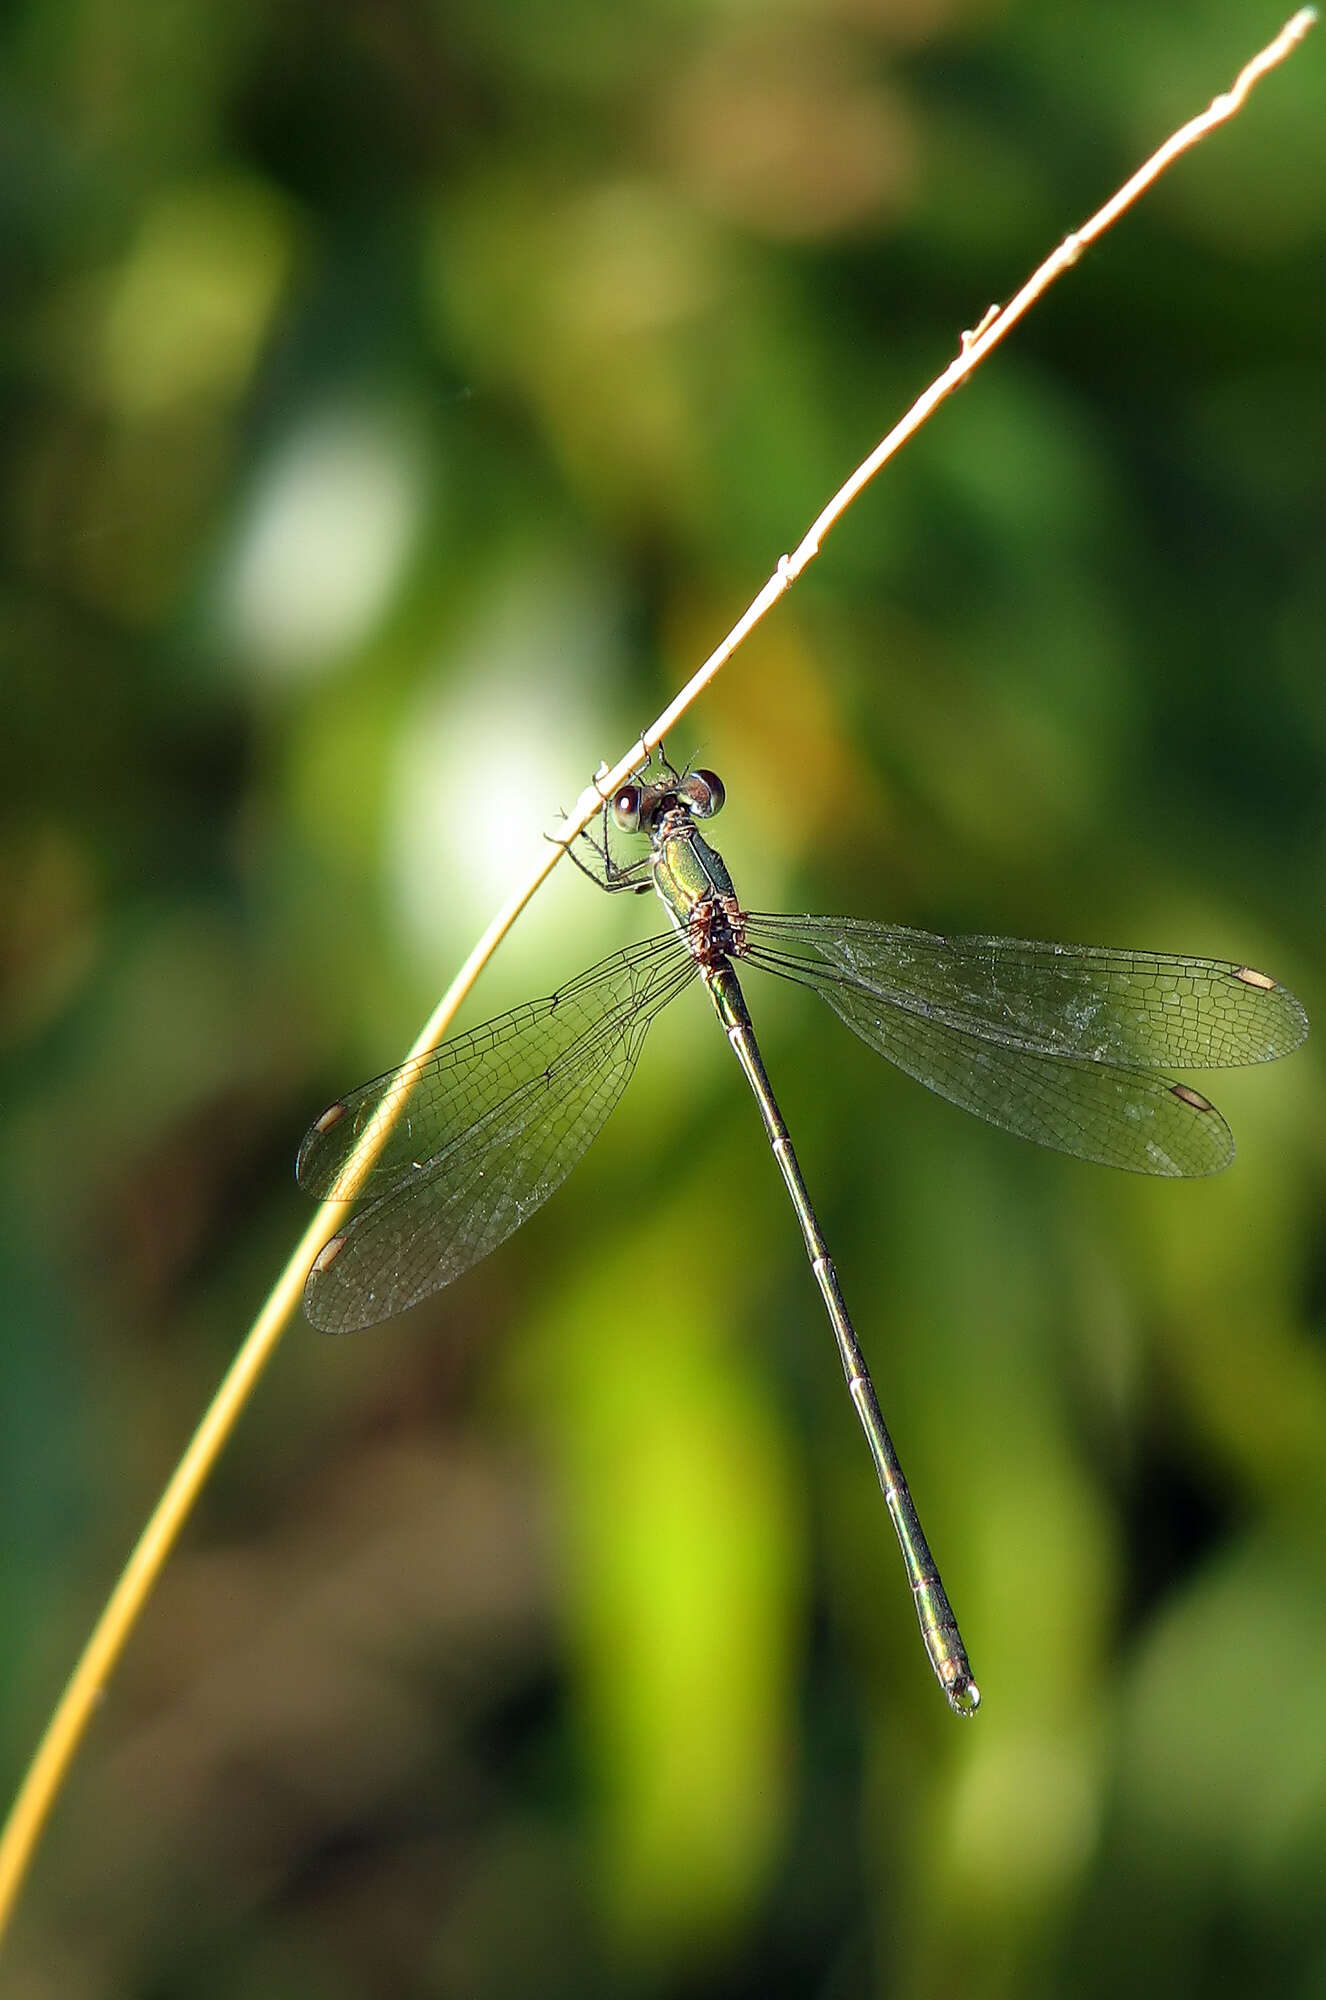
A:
(637, 808)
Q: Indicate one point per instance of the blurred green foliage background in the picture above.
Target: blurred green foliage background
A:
(398, 401)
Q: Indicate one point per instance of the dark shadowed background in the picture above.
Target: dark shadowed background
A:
(397, 400)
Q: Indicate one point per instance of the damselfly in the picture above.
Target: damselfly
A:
(1064, 1044)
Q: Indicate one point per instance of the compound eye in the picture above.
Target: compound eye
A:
(626, 809)
(704, 793)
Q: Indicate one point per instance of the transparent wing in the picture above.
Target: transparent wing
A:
(490, 1125)
(443, 1094)
(1140, 1009)
(1117, 1117)
(1053, 1042)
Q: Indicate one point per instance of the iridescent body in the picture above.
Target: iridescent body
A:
(1063, 1044)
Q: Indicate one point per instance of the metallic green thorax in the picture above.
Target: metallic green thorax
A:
(689, 874)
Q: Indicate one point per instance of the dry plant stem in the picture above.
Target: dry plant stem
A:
(64, 1732)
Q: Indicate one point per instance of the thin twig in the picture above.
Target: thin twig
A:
(55, 1753)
